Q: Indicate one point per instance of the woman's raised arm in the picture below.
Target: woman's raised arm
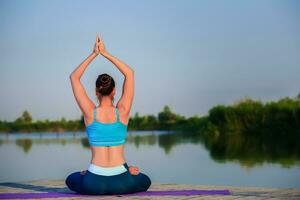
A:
(126, 99)
(85, 103)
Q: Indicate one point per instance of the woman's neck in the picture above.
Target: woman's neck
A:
(106, 104)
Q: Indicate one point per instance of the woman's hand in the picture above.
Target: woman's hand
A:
(96, 46)
(101, 46)
(133, 170)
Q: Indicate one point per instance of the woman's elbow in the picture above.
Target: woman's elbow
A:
(132, 72)
(129, 73)
(72, 76)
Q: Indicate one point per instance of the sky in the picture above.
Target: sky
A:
(190, 55)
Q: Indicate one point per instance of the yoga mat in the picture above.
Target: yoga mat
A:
(148, 193)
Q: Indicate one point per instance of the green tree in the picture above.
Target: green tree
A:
(166, 118)
(26, 117)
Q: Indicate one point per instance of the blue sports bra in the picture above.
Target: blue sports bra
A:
(106, 134)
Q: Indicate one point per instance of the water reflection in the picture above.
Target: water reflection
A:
(25, 143)
(248, 153)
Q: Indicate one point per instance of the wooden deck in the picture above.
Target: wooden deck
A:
(236, 192)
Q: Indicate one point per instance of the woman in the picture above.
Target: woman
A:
(106, 126)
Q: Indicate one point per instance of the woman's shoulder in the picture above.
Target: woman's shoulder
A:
(88, 118)
(122, 109)
(124, 114)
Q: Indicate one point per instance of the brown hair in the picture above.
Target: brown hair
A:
(105, 84)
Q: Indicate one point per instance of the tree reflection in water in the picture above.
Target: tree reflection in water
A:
(248, 150)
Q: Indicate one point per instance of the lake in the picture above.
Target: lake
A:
(167, 157)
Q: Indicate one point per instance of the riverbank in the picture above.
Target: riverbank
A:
(181, 191)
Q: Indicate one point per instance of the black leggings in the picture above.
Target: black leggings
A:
(123, 183)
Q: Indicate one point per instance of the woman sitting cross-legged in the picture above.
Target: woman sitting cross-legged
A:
(106, 127)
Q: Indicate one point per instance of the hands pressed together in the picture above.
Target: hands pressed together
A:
(133, 170)
(99, 47)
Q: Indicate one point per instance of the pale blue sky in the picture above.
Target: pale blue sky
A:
(190, 55)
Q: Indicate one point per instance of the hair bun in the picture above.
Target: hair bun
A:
(105, 81)
(105, 84)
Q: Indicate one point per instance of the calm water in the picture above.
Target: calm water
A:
(165, 157)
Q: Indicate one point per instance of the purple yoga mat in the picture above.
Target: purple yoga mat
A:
(148, 193)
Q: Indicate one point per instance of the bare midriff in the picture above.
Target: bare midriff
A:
(108, 156)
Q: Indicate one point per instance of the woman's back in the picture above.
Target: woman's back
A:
(112, 119)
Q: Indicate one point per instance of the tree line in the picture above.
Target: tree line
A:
(274, 119)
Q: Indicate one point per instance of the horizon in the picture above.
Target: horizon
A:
(156, 114)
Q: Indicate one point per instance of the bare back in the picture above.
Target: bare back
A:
(107, 156)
